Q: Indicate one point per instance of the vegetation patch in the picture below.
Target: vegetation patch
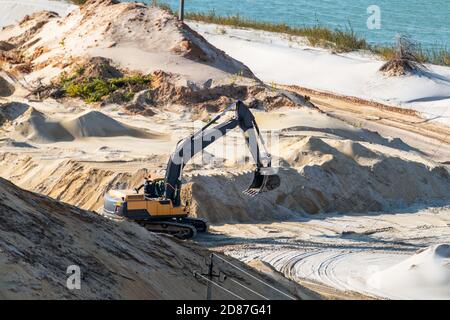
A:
(341, 40)
(96, 89)
(406, 59)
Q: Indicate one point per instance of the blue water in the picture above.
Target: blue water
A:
(427, 22)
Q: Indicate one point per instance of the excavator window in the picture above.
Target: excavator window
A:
(154, 189)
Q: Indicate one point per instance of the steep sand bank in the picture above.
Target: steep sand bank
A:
(40, 238)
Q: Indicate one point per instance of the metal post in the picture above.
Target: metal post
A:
(181, 10)
(210, 277)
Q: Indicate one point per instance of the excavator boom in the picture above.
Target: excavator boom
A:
(264, 179)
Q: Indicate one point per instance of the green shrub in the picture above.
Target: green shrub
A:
(79, 2)
(95, 89)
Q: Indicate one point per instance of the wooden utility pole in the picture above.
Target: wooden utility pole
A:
(181, 10)
(210, 276)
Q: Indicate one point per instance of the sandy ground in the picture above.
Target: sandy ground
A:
(340, 251)
(13, 11)
(40, 238)
(343, 251)
(288, 60)
(363, 187)
(427, 136)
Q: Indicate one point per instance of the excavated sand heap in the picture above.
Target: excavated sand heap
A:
(135, 36)
(40, 238)
(318, 176)
(36, 126)
(321, 176)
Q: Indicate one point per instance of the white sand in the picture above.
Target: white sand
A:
(275, 58)
(374, 254)
(425, 275)
(36, 126)
(327, 155)
(12, 11)
(136, 37)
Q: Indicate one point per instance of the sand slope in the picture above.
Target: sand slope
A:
(36, 126)
(97, 124)
(41, 237)
(13, 11)
(353, 74)
(135, 36)
(6, 88)
(424, 275)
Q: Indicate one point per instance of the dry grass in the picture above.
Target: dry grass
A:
(340, 40)
(407, 58)
(439, 55)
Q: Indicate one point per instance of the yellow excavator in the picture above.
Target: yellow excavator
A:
(159, 207)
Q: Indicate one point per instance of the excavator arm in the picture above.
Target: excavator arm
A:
(264, 178)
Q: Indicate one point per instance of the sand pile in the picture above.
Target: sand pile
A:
(97, 124)
(40, 238)
(320, 176)
(135, 36)
(36, 126)
(203, 100)
(425, 275)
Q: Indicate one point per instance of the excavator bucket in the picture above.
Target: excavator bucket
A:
(262, 183)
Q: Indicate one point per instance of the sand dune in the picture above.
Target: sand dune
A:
(425, 275)
(13, 11)
(97, 124)
(36, 126)
(135, 36)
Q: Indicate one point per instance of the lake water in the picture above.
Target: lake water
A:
(427, 22)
